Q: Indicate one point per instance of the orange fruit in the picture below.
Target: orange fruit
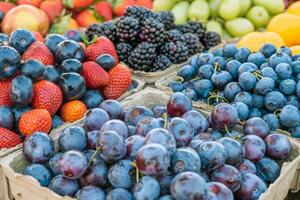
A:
(72, 111)
(35, 120)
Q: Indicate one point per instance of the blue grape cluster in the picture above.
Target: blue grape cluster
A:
(169, 152)
(260, 84)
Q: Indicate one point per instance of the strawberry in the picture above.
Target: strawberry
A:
(75, 4)
(145, 3)
(104, 9)
(35, 3)
(47, 95)
(87, 18)
(119, 82)
(95, 76)
(121, 5)
(6, 6)
(35, 120)
(4, 93)
(38, 36)
(102, 45)
(8, 139)
(53, 8)
(38, 50)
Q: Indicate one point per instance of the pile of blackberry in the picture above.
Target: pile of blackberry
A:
(150, 41)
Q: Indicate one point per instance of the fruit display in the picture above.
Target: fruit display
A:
(58, 16)
(229, 18)
(150, 41)
(44, 84)
(261, 84)
(169, 151)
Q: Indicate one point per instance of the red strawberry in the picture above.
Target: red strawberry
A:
(95, 76)
(145, 3)
(119, 82)
(77, 3)
(35, 3)
(87, 18)
(4, 93)
(47, 95)
(104, 9)
(8, 139)
(53, 8)
(38, 50)
(38, 36)
(121, 5)
(103, 45)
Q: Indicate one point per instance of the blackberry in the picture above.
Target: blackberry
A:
(211, 39)
(196, 28)
(176, 52)
(160, 63)
(124, 51)
(142, 56)
(152, 31)
(193, 43)
(140, 13)
(108, 29)
(174, 35)
(127, 29)
(167, 18)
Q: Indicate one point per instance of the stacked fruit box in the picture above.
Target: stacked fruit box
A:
(27, 188)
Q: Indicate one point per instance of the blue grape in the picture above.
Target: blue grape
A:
(203, 88)
(242, 109)
(205, 71)
(221, 79)
(244, 97)
(72, 138)
(119, 175)
(289, 116)
(231, 90)
(233, 67)
(274, 100)
(64, 186)
(119, 194)
(38, 172)
(272, 121)
(148, 188)
(268, 170)
(185, 159)
(90, 193)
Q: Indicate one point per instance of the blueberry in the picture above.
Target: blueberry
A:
(185, 159)
(247, 81)
(51, 74)
(190, 93)
(283, 71)
(230, 50)
(72, 138)
(205, 71)
(264, 85)
(6, 117)
(221, 79)
(56, 121)
(21, 39)
(231, 90)
(3, 39)
(289, 116)
(64, 186)
(247, 67)
(54, 164)
(272, 121)
(38, 147)
(257, 58)
(244, 97)
(287, 87)
(268, 170)
(70, 65)
(176, 86)
(268, 50)
(233, 67)
(242, 54)
(264, 65)
(203, 88)
(119, 175)
(33, 69)
(38, 172)
(92, 99)
(295, 132)
(73, 35)
(10, 60)
(72, 85)
(194, 61)
(147, 188)
(219, 62)
(52, 40)
(68, 49)
(187, 72)
(235, 151)
(286, 50)
(106, 61)
(90, 193)
(95, 118)
(119, 193)
(205, 58)
(254, 112)
(242, 109)
(269, 72)
(293, 100)
(296, 57)
(166, 197)
(279, 58)
(258, 101)
(218, 52)
(274, 100)
(295, 67)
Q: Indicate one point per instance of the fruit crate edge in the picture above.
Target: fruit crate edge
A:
(27, 188)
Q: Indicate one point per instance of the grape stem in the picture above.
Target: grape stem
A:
(165, 117)
(179, 79)
(277, 112)
(98, 150)
(137, 171)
